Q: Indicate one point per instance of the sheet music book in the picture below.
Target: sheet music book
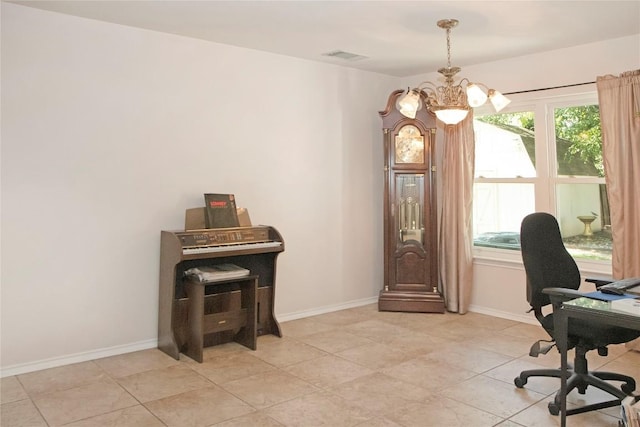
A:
(215, 272)
(220, 211)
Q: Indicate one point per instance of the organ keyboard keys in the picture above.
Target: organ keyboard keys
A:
(230, 247)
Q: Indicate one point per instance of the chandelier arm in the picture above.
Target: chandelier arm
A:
(427, 90)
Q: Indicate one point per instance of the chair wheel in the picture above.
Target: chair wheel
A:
(553, 408)
(519, 382)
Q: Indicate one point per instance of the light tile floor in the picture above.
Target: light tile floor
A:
(355, 367)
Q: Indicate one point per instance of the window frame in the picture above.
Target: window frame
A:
(543, 105)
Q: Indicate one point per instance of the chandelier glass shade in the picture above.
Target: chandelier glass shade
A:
(450, 103)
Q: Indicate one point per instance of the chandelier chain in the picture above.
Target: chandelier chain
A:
(448, 47)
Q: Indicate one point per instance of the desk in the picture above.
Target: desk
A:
(586, 309)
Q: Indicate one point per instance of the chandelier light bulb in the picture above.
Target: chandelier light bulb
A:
(451, 116)
(498, 100)
(475, 95)
(409, 104)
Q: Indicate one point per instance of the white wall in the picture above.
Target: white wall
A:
(109, 133)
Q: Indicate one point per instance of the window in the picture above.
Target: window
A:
(542, 156)
(505, 171)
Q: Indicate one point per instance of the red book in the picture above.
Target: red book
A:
(220, 211)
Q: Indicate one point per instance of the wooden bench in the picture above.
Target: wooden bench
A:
(245, 319)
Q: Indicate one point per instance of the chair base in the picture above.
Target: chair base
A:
(580, 381)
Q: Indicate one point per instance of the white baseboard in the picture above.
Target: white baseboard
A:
(69, 359)
(55, 362)
(326, 309)
(524, 318)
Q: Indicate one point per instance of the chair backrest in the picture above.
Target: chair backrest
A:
(546, 260)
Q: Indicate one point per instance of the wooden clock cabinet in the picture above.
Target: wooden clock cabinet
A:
(410, 216)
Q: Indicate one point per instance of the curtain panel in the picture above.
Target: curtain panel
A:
(455, 236)
(619, 100)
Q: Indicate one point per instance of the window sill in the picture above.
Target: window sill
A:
(513, 259)
(497, 257)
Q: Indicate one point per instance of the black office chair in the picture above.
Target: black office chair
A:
(549, 265)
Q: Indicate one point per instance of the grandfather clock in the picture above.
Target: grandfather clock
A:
(410, 217)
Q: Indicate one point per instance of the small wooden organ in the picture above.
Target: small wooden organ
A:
(254, 248)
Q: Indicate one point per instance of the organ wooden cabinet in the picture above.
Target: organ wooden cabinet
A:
(410, 217)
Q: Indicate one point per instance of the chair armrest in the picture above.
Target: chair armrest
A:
(560, 295)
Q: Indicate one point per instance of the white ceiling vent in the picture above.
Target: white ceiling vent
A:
(347, 56)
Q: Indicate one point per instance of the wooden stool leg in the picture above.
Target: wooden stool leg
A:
(195, 340)
(247, 336)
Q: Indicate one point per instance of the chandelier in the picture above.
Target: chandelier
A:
(450, 103)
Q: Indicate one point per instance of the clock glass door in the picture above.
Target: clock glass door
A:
(410, 208)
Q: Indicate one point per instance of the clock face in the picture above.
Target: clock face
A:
(409, 145)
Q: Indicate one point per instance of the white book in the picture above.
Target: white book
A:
(216, 272)
(628, 305)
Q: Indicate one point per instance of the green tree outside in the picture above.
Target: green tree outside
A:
(579, 126)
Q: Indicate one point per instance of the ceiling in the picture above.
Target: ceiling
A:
(398, 38)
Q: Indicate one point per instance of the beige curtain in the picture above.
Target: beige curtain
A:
(455, 236)
(619, 99)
